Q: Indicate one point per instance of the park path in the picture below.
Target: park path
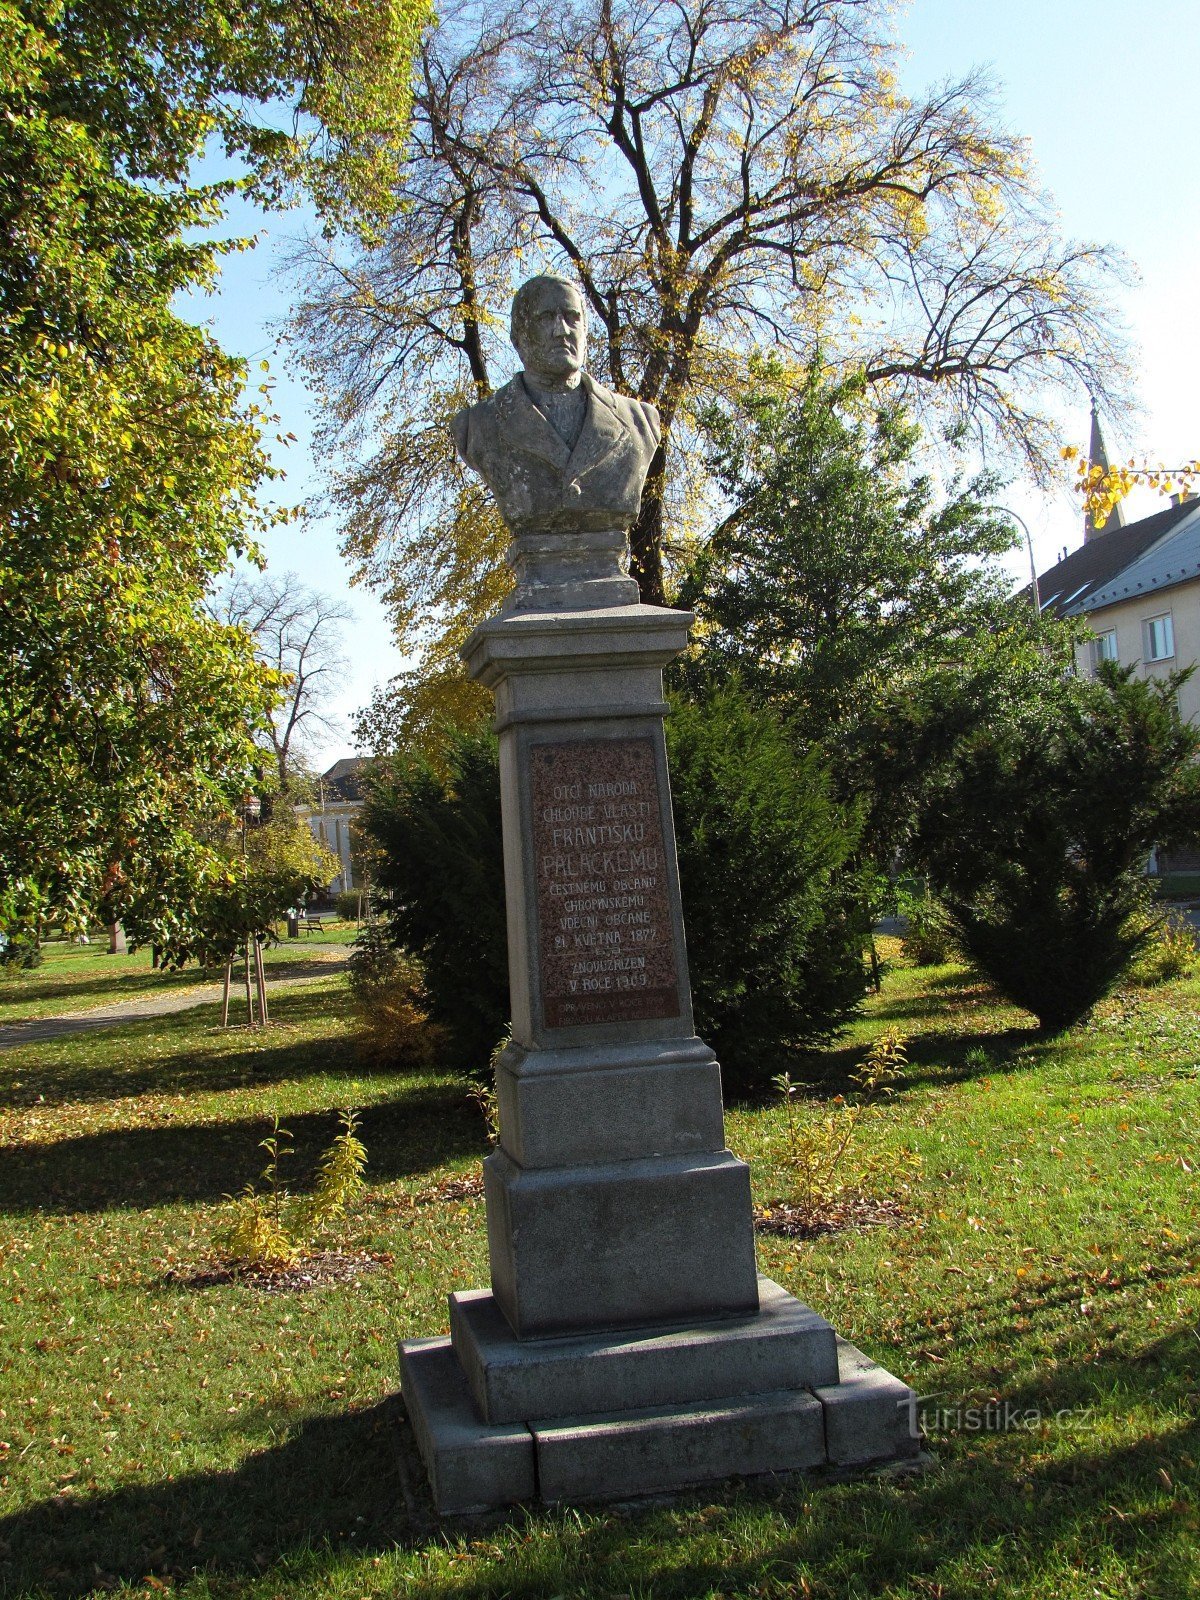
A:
(40, 1029)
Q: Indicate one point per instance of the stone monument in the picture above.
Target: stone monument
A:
(627, 1343)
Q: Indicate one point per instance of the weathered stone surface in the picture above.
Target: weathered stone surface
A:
(559, 1108)
(783, 1346)
(471, 1464)
(627, 1243)
(869, 1414)
(607, 1457)
(564, 457)
(622, 1349)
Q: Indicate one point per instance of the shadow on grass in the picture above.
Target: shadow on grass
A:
(999, 1506)
(423, 1127)
(227, 1059)
(115, 987)
(120, 989)
(934, 1060)
(333, 1480)
(1044, 1296)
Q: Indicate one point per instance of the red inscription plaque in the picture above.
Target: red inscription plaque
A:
(606, 946)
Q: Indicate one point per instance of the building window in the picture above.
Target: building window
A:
(1159, 635)
(1104, 647)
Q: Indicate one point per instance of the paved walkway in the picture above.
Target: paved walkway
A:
(40, 1029)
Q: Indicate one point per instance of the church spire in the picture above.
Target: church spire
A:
(1098, 457)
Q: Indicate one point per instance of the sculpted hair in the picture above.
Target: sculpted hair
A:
(526, 293)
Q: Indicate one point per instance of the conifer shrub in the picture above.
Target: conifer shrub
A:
(440, 888)
(771, 899)
(1036, 835)
(387, 989)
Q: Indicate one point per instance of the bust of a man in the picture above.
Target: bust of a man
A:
(561, 453)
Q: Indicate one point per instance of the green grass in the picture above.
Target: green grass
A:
(226, 1442)
(74, 978)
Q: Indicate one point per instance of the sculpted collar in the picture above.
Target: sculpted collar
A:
(526, 428)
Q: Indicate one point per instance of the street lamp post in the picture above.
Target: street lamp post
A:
(1033, 580)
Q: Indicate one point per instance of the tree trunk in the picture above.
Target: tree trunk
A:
(646, 535)
(116, 940)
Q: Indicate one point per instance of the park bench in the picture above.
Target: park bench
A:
(312, 923)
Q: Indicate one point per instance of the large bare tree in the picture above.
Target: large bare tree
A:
(724, 178)
(297, 632)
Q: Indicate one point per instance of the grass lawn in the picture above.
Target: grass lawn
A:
(74, 978)
(224, 1441)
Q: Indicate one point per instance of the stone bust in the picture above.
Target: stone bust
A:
(561, 453)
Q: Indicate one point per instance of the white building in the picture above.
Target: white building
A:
(1138, 588)
(334, 812)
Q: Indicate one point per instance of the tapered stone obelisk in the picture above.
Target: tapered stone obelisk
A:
(627, 1343)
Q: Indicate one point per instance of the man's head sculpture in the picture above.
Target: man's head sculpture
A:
(567, 494)
(548, 327)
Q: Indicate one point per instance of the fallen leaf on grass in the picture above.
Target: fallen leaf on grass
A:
(810, 1222)
(318, 1271)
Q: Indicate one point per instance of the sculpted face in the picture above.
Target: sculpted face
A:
(550, 332)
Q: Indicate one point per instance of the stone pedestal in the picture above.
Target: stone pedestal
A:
(627, 1344)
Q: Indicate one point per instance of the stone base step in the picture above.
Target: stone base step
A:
(783, 1345)
(864, 1416)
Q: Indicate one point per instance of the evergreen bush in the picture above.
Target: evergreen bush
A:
(387, 988)
(771, 900)
(440, 887)
(1037, 833)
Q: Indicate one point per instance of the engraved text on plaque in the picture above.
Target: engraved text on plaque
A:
(606, 945)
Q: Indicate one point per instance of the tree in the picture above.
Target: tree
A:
(296, 632)
(842, 582)
(1036, 832)
(1103, 487)
(718, 177)
(131, 462)
(772, 896)
(439, 868)
(266, 871)
(839, 570)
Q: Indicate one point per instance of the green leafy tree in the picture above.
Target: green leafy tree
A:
(131, 460)
(277, 867)
(1036, 830)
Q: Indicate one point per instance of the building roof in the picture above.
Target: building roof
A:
(1101, 566)
(1175, 559)
(343, 781)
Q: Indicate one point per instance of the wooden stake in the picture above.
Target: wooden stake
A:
(225, 997)
(249, 993)
(260, 973)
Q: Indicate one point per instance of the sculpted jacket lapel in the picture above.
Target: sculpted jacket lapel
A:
(603, 431)
(526, 428)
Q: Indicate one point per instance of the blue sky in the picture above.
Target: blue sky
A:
(1107, 99)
